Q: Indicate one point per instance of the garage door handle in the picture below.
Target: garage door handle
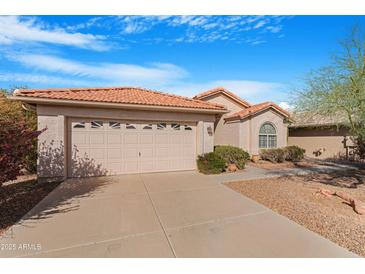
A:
(139, 153)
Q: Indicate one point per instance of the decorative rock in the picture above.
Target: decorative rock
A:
(255, 158)
(358, 206)
(232, 168)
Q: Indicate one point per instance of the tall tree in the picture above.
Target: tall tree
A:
(339, 88)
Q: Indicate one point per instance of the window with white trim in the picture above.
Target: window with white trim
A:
(267, 136)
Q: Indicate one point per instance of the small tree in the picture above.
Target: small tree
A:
(14, 111)
(339, 89)
(16, 139)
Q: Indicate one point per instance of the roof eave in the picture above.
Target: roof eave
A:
(47, 101)
(239, 117)
(241, 102)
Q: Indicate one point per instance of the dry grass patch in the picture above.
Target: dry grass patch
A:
(297, 198)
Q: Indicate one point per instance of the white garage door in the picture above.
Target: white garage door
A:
(106, 147)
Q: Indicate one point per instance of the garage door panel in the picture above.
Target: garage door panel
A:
(132, 147)
(113, 153)
(80, 138)
(146, 139)
(161, 138)
(162, 164)
(97, 153)
(162, 152)
(97, 138)
(114, 138)
(131, 166)
(131, 138)
(131, 153)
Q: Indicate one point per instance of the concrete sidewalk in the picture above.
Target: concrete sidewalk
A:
(177, 214)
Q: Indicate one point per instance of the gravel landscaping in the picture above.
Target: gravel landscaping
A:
(18, 197)
(297, 198)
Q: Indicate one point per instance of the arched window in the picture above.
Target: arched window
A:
(267, 136)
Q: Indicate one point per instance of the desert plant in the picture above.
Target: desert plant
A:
(16, 139)
(211, 163)
(233, 155)
(294, 153)
(274, 155)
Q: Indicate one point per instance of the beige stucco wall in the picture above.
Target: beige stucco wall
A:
(53, 143)
(320, 143)
(226, 133)
(251, 127)
(245, 133)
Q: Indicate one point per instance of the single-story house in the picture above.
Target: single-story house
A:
(322, 137)
(102, 131)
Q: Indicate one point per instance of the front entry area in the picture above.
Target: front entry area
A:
(108, 147)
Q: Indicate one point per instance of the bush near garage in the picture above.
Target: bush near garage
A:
(294, 153)
(16, 140)
(274, 155)
(233, 155)
(211, 163)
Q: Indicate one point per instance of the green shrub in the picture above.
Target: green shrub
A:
(274, 155)
(294, 153)
(233, 155)
(211, 163)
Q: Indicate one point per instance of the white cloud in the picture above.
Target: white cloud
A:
(14, 29)
(41, 79)
(204, 29)
(113, 72)
(285, 106)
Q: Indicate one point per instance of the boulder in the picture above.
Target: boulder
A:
(232, 168)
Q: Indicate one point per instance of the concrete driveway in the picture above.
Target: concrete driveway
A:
(180, 214)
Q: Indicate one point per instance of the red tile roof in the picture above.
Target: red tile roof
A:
(224, 91)
(123, 95)
(255, 109)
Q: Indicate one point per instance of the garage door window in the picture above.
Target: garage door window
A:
(161, 126)
(130, 126)
(97, 124)
(114, 125)
(175, 126)
(147, 127)
(79, 125)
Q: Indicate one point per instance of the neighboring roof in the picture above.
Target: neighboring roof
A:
(308, 119)
(224, 91)
(118, 95)
(255, 109)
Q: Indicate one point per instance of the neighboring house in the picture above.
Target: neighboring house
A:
(103, 131)
(321, 136)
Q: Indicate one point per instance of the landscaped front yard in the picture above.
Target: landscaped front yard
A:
(297, 198)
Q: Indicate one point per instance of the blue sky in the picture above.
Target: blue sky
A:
(258, 57)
